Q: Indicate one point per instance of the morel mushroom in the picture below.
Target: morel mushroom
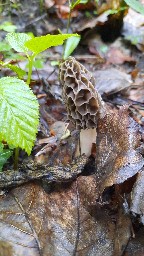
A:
(82, 100)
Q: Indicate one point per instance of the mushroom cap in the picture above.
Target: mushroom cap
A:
(82, 101)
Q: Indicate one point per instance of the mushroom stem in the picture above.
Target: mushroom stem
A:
(87, 137)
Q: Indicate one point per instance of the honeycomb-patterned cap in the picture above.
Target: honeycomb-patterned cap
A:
(81, 98)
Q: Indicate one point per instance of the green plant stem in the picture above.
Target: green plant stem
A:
(68, 26)
(16, 156)
(30, 65)
(69, 18)
(41, 6)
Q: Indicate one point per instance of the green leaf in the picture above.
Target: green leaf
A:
(20, 72)
(136, 5)
(75, 4)
(54, 63)
(40, 44)
(84, 1)
(18, 113)
(39, 64)
(4, 155)
(10, 55)
(78, 2)
(1, 147)
(71, 44)
(17, 41)
(8, 26)
(115, 11)
(4, 46)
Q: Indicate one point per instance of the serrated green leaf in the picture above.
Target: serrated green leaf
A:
(40, 44)
(18, 113)
(20, 72)
(136, 5)
(17, 41)
(71, 44)
(4, 155)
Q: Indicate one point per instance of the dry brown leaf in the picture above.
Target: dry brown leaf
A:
(115, 53)
(55, 152)
(90, 23)
(117, 141)
(111, 80)
(118, 53)
(60, 2)
(136, 245)
(62, 222)
(117, 56)
(123, 231)
(63, 12)
(59, 129)
(137, 205)
(6, 248)
(90, 5)
(49, 3)
(136, 93)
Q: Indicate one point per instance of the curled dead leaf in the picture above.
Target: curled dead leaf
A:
(117, 158)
